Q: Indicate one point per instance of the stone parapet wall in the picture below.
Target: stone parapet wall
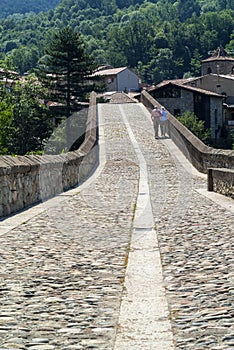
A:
(201, 156)
(222, 181)
(26, 180)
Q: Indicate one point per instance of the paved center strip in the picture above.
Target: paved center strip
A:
(144, 316)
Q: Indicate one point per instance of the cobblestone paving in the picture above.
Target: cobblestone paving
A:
(196, 243)
(61, 273)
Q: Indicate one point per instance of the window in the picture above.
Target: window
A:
(172, 93)
(209, 70)
(197, 98)
(110, 80)
(168, 92)
(177, 112)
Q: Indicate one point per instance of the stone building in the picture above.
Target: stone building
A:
(218, 76)
(219, 63)
(179, 98)
(118, 79)
(210, 96)
(223, 85)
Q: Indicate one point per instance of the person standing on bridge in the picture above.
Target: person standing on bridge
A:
(163, 122)
(155, 116)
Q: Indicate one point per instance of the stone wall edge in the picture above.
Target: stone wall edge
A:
(26, 180)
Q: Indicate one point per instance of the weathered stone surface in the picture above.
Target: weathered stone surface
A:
(26, 180)
(62, 272)
(222, 181)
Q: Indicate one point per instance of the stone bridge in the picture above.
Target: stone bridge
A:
(138, 256)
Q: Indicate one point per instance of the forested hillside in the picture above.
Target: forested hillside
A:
(9, 7)
(159, 39)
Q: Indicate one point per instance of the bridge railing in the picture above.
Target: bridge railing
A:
(201, 156)
(26, 180)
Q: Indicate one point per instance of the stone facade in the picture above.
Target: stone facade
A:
(219, 83)
(216, 117)
(26, 180)
(183, 103)
(219, 63)
(221, 181)
(222, 84)
(179, 98)
(224, 65)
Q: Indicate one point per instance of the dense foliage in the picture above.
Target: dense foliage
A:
(196, 126)
(8, 7)
(25, 122)
(159, 39)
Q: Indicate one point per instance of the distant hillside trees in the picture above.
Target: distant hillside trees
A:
(135, 33)
(130, 42)
(188, 9)
(24, 58)
(8, 7)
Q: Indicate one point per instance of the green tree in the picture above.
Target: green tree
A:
(216, 5)
(230, 46)
(24, 58)
(8, 7)
(115, 52)
(160, 67)
(195, 125)
(187, 8)
(130, 42)
(66, 68)
(196, 63)
(177, 25)
(30, 123)
(6, 116)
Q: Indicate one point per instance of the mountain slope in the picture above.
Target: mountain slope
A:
(160, 39)
(9, 7)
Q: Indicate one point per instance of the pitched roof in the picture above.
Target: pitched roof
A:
(176, 81)
(225, 76)
(190, 80)
(220, 54)
(187, 87)
(110, 71)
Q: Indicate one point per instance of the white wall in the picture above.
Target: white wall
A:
(127, 81)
